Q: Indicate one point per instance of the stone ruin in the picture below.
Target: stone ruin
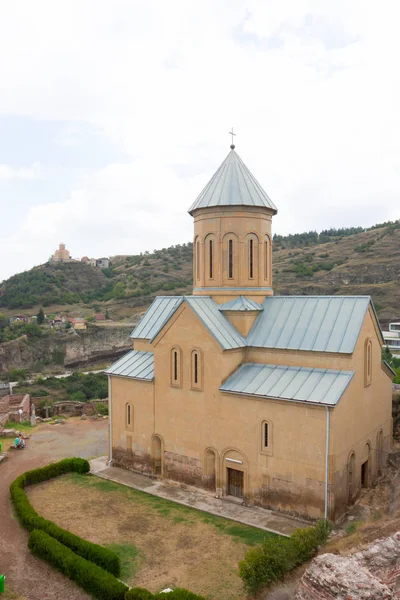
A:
(11, 404)
(371, 574)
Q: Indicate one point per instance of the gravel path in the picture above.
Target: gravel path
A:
(28, 576)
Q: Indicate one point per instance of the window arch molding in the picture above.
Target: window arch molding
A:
(211, 257)
(252, 244)
(367, 362)
(265, 435)
(176, 366)
(197, 258)
(196, 369)
(267, 258)
(129, 416)
(230, 257)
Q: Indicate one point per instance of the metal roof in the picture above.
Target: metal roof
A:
(158, 313)
(218, 325)
(233, 185)
(242, 303)
(299, 384)
(163, 307)
(135, 364)
(314, 323)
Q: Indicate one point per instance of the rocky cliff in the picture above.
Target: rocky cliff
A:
(372, 574)
(66, 348)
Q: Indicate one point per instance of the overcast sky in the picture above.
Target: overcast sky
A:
(115, 113)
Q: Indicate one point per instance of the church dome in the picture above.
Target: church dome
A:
(233, 185)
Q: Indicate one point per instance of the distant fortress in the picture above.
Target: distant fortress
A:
(62, 255)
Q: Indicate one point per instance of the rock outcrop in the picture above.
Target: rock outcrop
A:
(66, 348)
(371, 574)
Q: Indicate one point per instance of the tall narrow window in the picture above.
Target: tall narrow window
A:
(251, 258)
(198, 260)
(266, 431)
(266, 259)
(211, 259)
(230, 259)
(368, 362)
(196, 370)
(129, 416)
(175, 365)
(265, 435)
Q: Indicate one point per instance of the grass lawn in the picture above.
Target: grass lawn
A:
(161, 543)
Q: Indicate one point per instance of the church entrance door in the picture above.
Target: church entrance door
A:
(235, 483)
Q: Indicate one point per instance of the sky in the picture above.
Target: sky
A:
(114, 115)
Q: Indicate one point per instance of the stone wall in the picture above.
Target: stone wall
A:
(10, 406)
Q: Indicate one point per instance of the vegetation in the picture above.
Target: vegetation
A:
(78, 387)
(40, 316)
(393, 362)
(277, 556)
(18, 329)
(177, 594)
(303, 264)
(29, 518)
(89, 576)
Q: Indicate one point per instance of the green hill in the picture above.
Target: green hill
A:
(343, 261)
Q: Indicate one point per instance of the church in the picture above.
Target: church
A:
(281, 402)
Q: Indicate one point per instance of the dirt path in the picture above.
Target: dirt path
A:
(26, 575)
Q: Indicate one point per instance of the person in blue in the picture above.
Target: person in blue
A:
(19, 442)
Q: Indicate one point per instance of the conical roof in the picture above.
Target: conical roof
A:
(233, 185)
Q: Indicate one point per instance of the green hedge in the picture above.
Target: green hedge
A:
(107, 559)
(177, 594)
(90, 577)
(277, 556)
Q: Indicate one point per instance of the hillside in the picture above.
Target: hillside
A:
(345, 261)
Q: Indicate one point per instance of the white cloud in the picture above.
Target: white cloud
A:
(7, 172)
(312, 89)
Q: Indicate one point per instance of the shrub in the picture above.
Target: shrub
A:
(277, 556)
(179, 594)
(89, 576)
(139, 594)
(103, 557)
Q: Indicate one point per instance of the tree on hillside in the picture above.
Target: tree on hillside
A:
(3, 320)
(40, 317)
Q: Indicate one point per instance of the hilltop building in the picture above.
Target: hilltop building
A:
(61, 255)
(282, 402)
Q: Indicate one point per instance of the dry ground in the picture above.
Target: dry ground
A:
(162, 543)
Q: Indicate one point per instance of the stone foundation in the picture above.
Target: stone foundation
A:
(183, 469)
(139, 462)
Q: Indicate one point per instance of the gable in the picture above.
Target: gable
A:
(310, 323)
(164, 307)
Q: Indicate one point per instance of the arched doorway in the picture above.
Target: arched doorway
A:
(365, 466)
(157, 455)
(210, 470)
(351, 478)
(234, 474)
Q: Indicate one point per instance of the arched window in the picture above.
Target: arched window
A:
(196, 370)
(197, 259)
(210, 258)
(176, 370)
(266, 437)
(251, 259)
(230, 259)
(128, 416)
(368, 361)
(267, 258)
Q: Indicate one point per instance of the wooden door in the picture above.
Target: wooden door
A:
(235, 483)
